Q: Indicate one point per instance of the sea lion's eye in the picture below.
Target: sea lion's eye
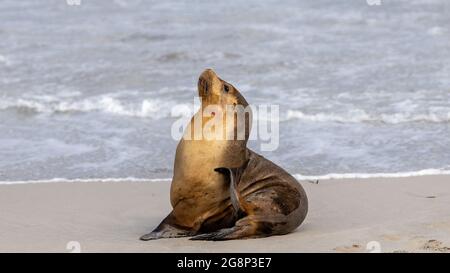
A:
(226, 88)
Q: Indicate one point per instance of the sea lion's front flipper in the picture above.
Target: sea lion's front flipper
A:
(237, 201)
(167, 229)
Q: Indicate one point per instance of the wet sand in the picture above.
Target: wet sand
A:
(346, 215)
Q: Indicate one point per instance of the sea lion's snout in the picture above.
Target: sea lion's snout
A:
(208, 74)
(203, 87)
(206, 82)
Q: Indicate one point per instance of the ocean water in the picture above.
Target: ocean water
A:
(87, 92)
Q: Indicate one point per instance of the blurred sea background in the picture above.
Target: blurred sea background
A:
(87, 92)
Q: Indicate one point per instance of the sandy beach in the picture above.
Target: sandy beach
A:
(347, 215)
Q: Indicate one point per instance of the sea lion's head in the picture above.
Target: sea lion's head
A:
(215, 91)
(221, 99)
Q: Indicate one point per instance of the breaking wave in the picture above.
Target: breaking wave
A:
(362, 116)
(158, 108)
(147, 108)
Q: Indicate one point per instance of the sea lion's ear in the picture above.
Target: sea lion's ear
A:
(222, 170)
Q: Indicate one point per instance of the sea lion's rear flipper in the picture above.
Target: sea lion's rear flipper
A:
(245, 228)
(167, 229)
(237, 201)
(242, 229)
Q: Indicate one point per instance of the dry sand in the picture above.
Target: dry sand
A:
(399, 214)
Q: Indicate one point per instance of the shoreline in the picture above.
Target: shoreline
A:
(401, 214)
(300, 178)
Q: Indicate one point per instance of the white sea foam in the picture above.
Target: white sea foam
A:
(87, 180)
(372, 175)
(153, 108)
(299, 177)
(436, 31)
(356, 116)
(157, 108)
(5, 60)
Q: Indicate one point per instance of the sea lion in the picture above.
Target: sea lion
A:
(222, 190)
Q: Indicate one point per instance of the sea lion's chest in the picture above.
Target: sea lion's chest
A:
(194, 174)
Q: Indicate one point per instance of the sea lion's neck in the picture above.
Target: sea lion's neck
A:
(220, 147)
(217, 126)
